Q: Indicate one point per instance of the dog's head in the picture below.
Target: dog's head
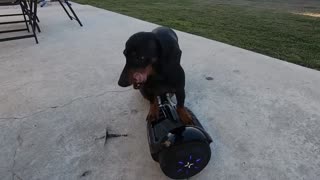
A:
(142, 51)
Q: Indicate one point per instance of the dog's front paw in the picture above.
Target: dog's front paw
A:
(153, 113)
(185, 116)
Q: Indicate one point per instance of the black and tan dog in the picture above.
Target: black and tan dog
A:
(153, 66)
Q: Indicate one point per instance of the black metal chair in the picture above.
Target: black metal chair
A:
(29, 13)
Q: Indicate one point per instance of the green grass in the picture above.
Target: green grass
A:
(271, 31)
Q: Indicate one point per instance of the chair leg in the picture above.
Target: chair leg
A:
(34, 20)
(24, 16)
(69, 6)
(71, 9)
(37, 25)
(37, 19)
(65, 10)
(32, 5)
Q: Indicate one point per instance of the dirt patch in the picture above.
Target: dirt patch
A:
(310, 14)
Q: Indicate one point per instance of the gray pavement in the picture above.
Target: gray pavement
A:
(58, 97)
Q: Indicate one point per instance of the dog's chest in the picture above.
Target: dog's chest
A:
(159, 87)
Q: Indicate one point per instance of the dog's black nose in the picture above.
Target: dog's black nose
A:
(124, 77)
(123, 83)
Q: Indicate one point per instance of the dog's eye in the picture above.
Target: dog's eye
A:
(142, 59)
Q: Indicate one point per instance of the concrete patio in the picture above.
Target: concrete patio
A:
(58, 97)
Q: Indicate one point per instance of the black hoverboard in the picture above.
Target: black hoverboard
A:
(182, 151)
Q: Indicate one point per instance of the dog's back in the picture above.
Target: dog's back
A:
(170, 50)
(164, 32)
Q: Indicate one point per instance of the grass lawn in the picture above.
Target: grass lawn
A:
(267, 27)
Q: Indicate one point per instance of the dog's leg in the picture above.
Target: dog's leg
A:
(153, 111)
(154, 108)
(181, 110)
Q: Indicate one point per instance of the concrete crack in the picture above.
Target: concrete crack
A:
(23, 117)
(61, 106)
(101, 94)
(109, 135)
(86, 173)
(14, 161)
(20, 141)
(25, 84)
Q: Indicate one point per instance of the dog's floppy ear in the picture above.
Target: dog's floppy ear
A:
(159, 49)
(176, 55)
(169, 52)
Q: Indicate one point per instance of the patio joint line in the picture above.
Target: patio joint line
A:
(63, 105)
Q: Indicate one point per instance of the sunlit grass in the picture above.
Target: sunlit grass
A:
(274, 32)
